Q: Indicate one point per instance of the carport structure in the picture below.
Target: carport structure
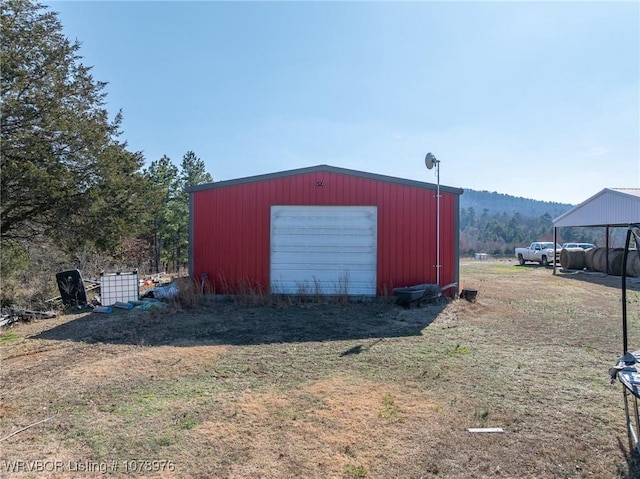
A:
(616, 208)
(609, 208)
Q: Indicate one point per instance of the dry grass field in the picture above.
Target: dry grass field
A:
(231, 390)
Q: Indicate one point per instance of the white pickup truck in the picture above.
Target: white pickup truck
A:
(539, 251)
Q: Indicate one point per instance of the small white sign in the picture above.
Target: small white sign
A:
(485, 429)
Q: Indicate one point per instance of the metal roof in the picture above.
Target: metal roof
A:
(609, 207)
(324, 168)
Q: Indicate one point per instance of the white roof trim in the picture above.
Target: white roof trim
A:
(629, 191)
(609, 207)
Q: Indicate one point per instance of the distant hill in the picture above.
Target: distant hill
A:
(499, 203)
(496, 223)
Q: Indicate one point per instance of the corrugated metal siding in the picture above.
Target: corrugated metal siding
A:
(607, 207)
(230, 232)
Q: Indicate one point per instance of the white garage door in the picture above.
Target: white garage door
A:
(323, 249)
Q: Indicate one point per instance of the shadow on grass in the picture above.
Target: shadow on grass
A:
(533, 265)
(599, 279)
(632, 457)
(233, 324)
(359, 348)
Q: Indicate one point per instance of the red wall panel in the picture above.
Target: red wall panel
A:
(231, 232)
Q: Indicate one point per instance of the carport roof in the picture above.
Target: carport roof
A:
(609, 207)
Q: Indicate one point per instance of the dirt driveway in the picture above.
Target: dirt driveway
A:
(329, 390)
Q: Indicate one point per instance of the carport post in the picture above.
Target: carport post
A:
(607, 246)
(555, 242)
(625, 345)
(627, 243)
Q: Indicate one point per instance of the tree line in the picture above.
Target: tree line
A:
(501, 233)
(72, 193)
(494, 201)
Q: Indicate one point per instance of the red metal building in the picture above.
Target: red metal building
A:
(322, 230)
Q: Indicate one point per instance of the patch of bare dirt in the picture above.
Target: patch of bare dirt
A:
(329, 425)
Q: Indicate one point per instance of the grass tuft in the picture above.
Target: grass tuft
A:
(457, 350)
(355, 472)
(8, 337)
(391, 412)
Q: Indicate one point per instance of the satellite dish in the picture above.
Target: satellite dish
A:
(430, 160)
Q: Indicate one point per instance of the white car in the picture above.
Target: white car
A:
(578, 245)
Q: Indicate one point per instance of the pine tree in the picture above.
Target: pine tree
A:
(192, 172)
(170, 206)
(162, 175)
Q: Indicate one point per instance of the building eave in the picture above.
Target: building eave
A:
(323, 169)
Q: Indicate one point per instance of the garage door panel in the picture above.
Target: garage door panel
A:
(300, 259)
(328, 275)
(335, 242)
(346, 229)
(303, 224)
(314, 267)
(322, 252)
(301, 248)
(322, 214)
(322, 288)
(323, 285)
(331, 248)
(325, 233)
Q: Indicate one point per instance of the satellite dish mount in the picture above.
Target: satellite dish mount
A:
(430, 161)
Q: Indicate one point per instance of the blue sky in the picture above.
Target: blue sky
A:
(533, 99)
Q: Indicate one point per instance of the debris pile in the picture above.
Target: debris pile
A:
(73, 293)
(11, 315)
